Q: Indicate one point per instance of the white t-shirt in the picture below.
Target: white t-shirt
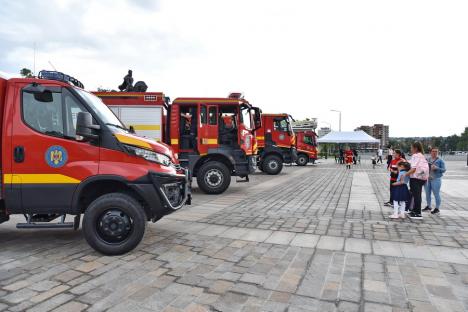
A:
(390, 152)
(380, 152)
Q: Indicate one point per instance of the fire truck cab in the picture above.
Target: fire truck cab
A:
(306, 144)
(64, 152)
(276, 143)
(213, 137)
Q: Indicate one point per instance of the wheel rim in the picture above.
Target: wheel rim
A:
(273, 165)
(302, 160)
(114, 226)
(214, 178)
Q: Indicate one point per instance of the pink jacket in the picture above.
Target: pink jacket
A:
(419, 162)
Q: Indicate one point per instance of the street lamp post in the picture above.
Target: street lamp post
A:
(337, 111)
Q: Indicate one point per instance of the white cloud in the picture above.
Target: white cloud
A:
(402, 62)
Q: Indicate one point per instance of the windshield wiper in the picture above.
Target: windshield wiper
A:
(117, 126)
(55, 133)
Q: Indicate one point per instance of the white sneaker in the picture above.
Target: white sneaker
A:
(394, 216)
(402, 215)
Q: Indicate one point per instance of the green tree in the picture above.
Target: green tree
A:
(26, 73)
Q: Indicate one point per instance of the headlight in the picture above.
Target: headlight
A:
(150, 155)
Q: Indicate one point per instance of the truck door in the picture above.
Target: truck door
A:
(208, 131)
(48, 161)
(282, 134)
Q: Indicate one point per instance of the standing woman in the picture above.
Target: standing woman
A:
(433, 185)
(418, 174)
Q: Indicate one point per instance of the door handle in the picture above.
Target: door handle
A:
(18, 154)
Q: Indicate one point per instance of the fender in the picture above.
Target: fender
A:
(143, 187)
(272, 149)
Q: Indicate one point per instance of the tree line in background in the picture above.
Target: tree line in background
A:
(445, 144)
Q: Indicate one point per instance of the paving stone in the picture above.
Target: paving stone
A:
(19, 295)
(280, 237)
(305, 240)
(331, 243)
(358, 245)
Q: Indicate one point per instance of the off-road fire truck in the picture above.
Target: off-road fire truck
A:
(65, 152)
(306, 145)
(276, 143)
(213, 137)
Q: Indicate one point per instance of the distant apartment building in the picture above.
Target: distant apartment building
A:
(378, 131)
(323, 131)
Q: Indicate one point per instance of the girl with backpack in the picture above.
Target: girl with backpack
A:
(419, 173)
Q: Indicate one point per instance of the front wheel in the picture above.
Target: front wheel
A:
(214, 177)
(114, 223)
(272, 164)
(302, 160)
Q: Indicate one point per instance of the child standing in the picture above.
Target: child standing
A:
(400, 193)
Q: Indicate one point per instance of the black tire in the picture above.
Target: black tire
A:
(302, 160)
(260, 166)
(213, 177)
(272, 164)
(110, 215)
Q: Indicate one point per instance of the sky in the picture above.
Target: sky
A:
(401, 63)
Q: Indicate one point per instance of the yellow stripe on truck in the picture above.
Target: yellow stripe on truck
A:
(174, 141)
(132, 141)
(146, 127)
(209, 141)
(39, 178)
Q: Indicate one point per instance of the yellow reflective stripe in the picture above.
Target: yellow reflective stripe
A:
(209, 141)
(260, 138)
(174, 141)
(132, 141)
(146, 127)
(39, 178)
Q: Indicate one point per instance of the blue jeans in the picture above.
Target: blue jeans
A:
(433, 186)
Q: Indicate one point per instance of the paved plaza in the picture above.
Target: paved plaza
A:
(314, 238)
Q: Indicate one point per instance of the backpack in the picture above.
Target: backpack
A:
(422, 170)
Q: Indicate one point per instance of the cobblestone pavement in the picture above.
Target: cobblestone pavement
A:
(314, 238)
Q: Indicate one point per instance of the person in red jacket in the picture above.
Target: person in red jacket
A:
(393, 168)
(349, 158)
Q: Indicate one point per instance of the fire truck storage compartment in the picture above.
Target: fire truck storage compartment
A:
(146, 120)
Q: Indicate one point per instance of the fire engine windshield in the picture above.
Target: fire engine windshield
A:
(103, 112)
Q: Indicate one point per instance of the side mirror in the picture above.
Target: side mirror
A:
(85, 126)
(257, 118)
(131, 129)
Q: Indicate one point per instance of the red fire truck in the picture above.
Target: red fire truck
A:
(65, 152)
(306, 145)
(213, 137)
(276, 143)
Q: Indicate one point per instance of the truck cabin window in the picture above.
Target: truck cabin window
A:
(281, 125)
(309, 140)
(56, 117)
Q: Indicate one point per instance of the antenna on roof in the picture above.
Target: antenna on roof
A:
(52, 66)
(34, 59)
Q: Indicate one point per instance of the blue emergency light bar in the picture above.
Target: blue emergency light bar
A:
(55, 75)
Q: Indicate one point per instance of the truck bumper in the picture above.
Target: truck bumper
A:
(165, 194)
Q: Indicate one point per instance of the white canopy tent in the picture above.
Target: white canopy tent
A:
(348, 137)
